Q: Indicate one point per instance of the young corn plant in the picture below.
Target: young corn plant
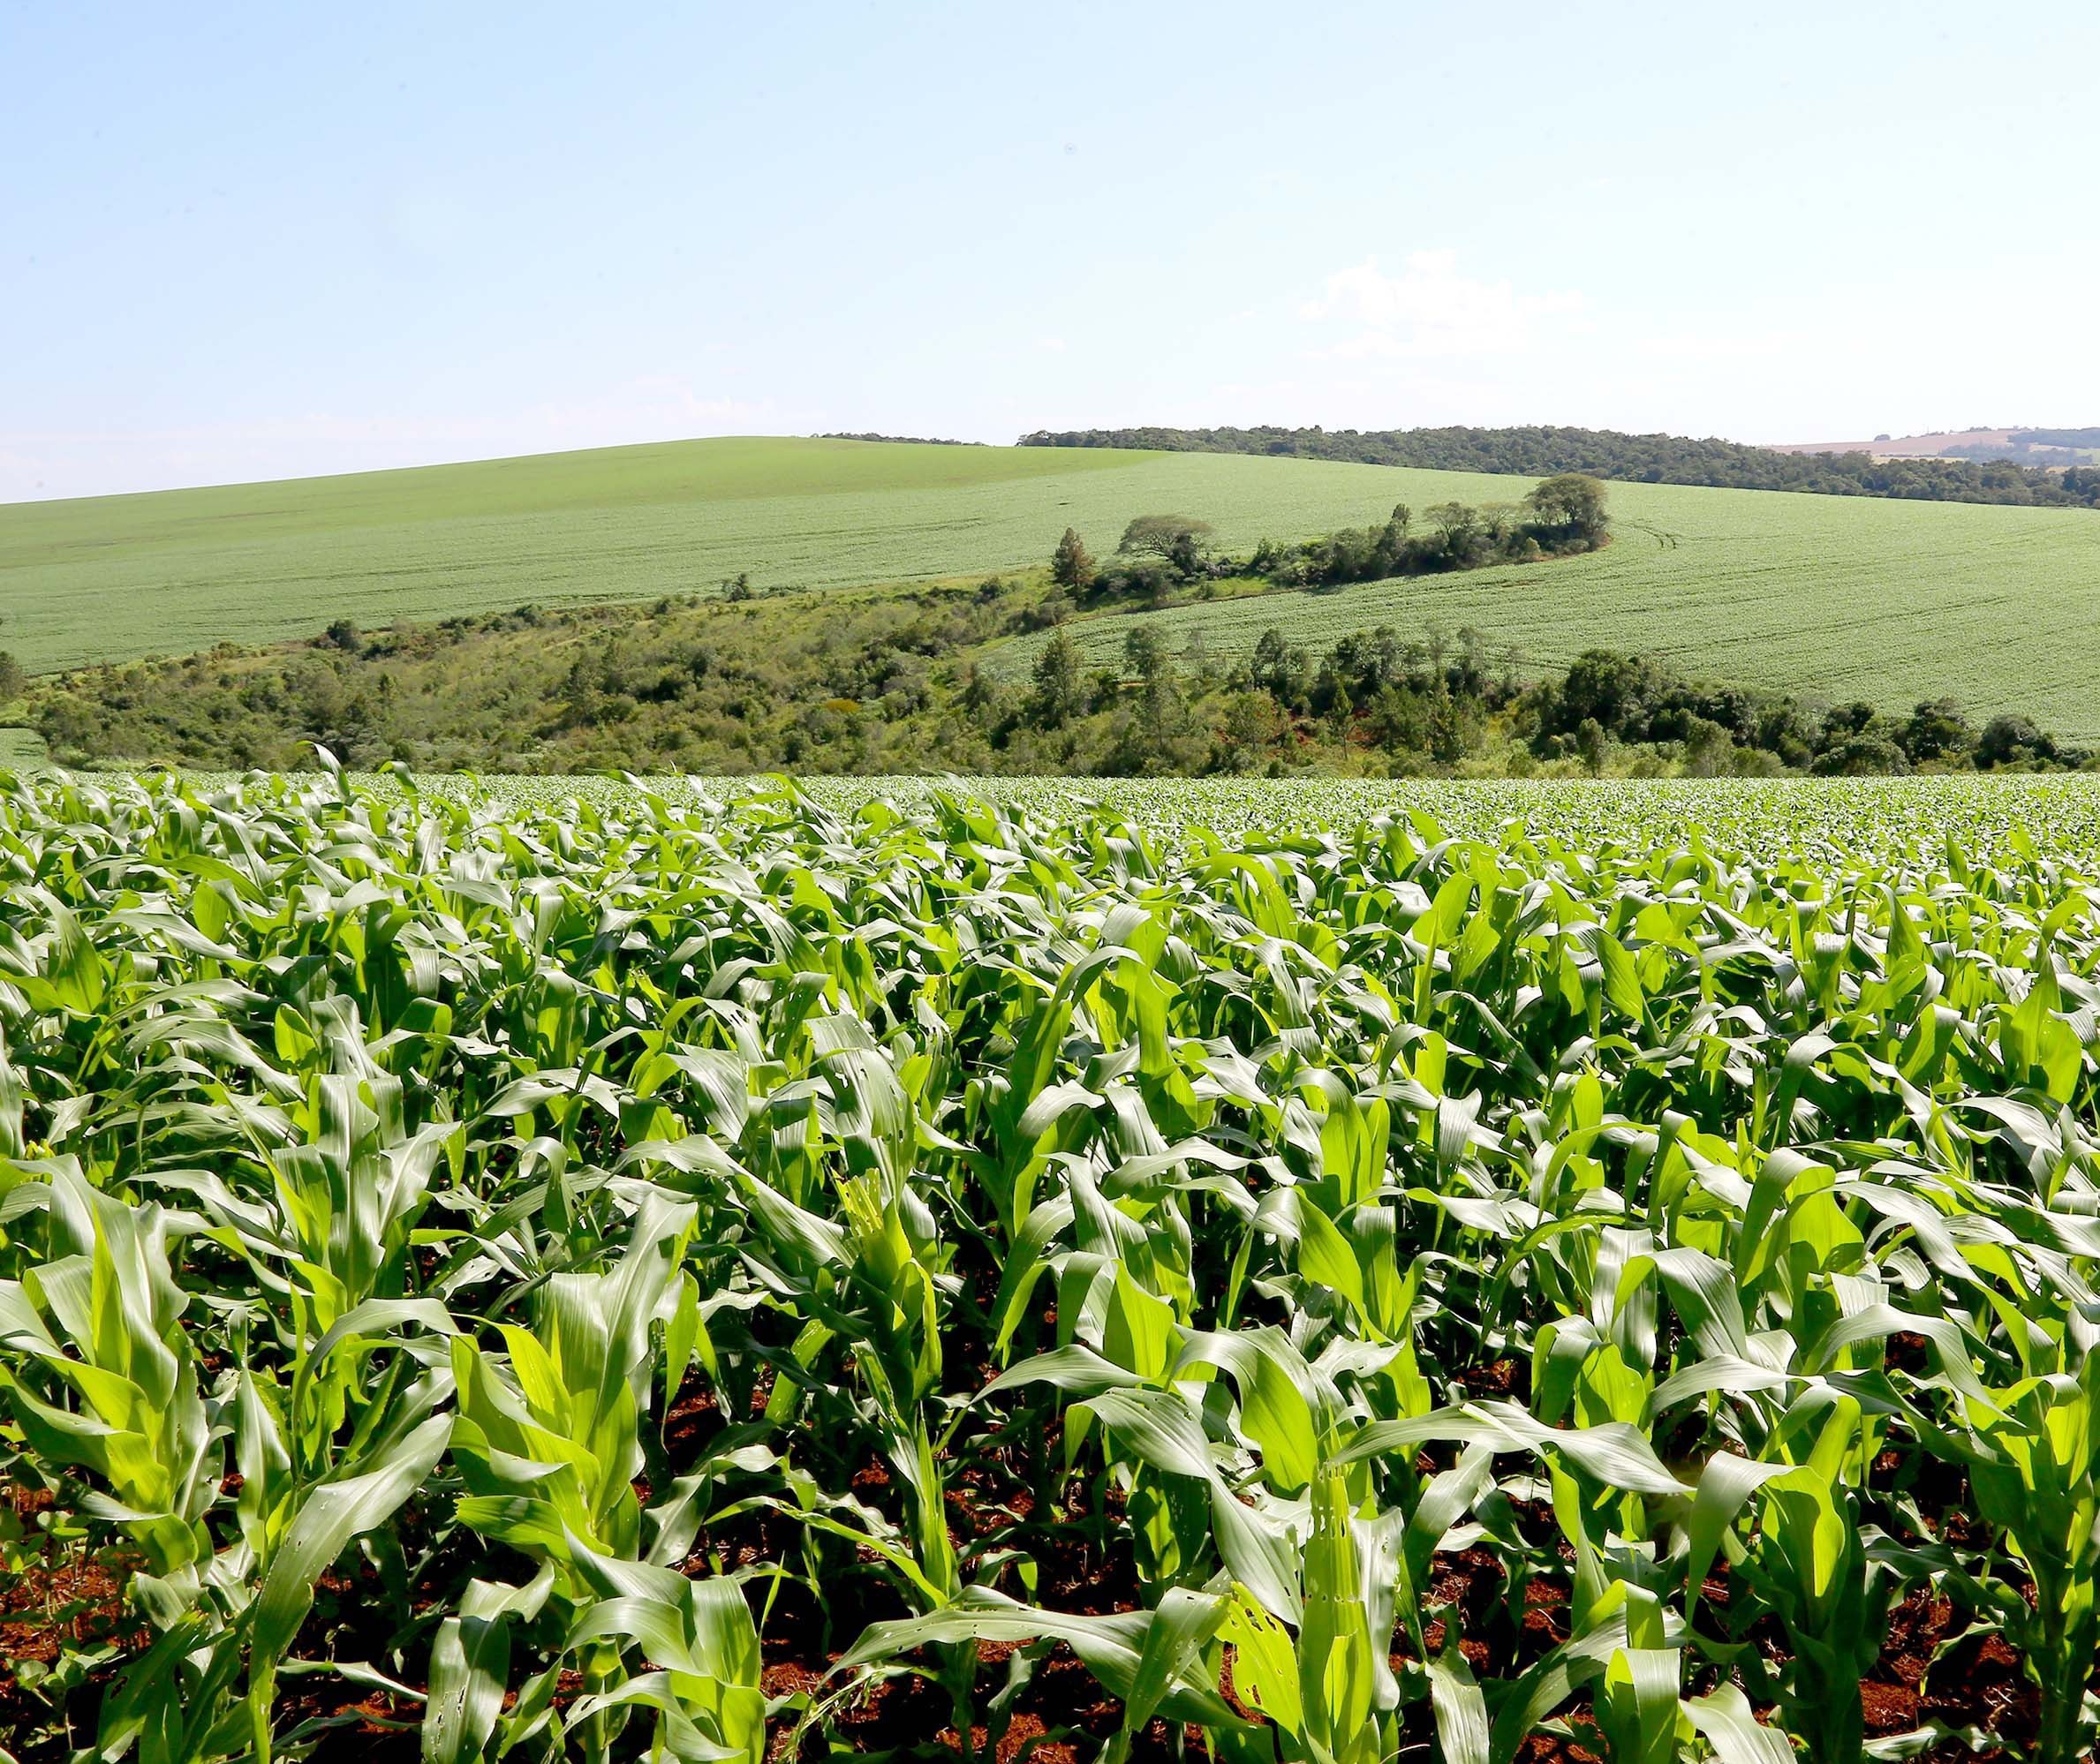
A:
(100, 1379)
(105, 1321)
(547, 1440)
(1812, 1565)
(2034, 1462)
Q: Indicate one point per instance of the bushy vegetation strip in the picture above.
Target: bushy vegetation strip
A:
(1067, 670)
(622, 1280)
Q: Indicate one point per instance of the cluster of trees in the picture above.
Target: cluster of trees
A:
(1539, 452)
(1430, 703)
(1638, 701)
(1160, 555)
(1157, 555)
(1562, 515)
(1417, 704)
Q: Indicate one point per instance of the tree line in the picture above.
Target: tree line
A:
(1161, 556)
(907, 441)
(1540, 452)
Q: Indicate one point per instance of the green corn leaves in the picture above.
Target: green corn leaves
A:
(104, 1320)
(609, 1279)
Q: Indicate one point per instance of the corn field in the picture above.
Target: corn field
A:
(617, 1279)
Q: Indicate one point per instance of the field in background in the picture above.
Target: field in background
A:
(1892, 601)
(22, 749)
(2027, 447)
(168, 574)
(1853, 597)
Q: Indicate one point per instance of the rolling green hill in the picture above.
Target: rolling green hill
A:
(1888, 601)
(110, 579)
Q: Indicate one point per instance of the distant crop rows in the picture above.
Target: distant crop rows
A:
(599, 1277)
(1893, 602)
(1814, 821)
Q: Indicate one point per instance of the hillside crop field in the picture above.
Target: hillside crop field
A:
(1851, 596)
(594, 1275)
(177, 571)
(1889, 601)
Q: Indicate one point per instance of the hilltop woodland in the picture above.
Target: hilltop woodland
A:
(928, 680)
(1605, 452)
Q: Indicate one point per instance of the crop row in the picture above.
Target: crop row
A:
(1831, 823)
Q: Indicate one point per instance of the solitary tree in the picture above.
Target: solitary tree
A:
(1145, 655)
(1572, 503)
(1250, 726)
(1153, 736)
(1938, 730)
(1280, 670)
(1179, 538)
(1057, 697)
(1072, 566)
(2012, 741)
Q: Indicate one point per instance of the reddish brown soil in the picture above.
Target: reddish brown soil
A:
(1498, 1378)
(76, 1598)
(1547, 1748)
(999, 1497)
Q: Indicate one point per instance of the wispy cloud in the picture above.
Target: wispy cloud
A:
(1429, 310)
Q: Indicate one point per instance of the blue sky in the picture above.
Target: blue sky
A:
(245, 241)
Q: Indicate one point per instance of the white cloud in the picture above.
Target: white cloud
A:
(1429, 311)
